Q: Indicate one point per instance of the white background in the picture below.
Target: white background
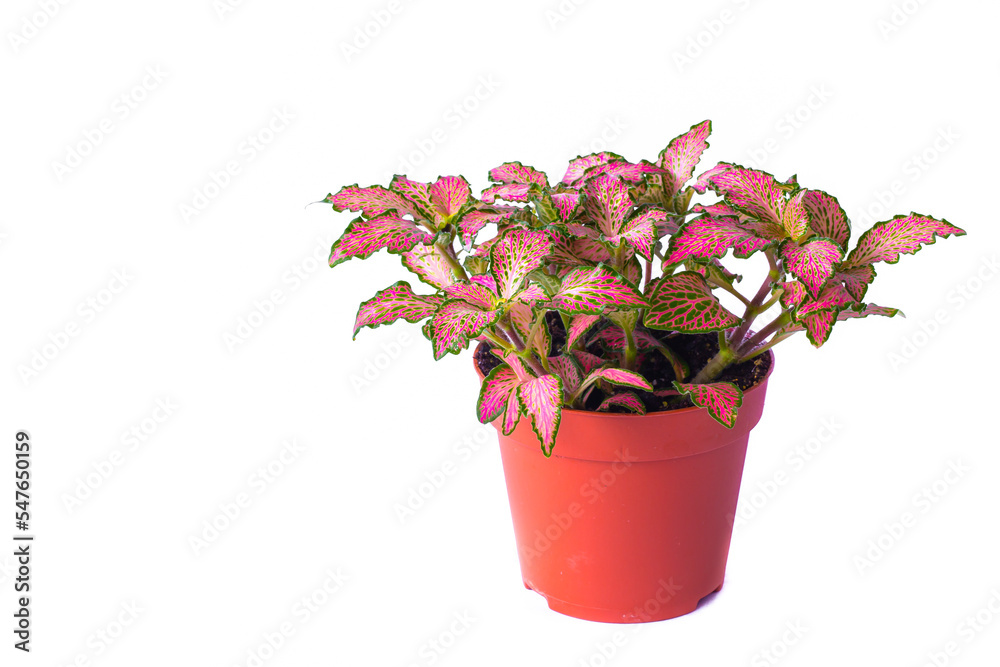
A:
(560, 79)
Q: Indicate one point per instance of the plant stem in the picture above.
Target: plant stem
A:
(498, 342)
(456, 266)
(522, 351)
(729, 288)
(630, 349)
(648, 277)
(618, 258)
(753, 308)
(717, 364)
(770, 302)
(767, 346)
(759, 337)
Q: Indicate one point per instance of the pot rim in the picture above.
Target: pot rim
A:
(593, 414)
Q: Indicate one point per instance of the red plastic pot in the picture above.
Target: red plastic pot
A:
(630, 519)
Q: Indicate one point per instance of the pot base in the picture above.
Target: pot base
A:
(660, 612)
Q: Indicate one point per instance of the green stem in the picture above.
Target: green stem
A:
(714, 367)
(630, 349)
(729, 288)
(767, 346)
(770, 302)
(618, 258)
(497, 342)
(753, 308)
(522, 350)
(456, 266)
(774, 325)
(717, 364)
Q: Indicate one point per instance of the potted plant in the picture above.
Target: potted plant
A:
(623, 390)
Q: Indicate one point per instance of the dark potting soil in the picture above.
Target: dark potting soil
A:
(696, 349)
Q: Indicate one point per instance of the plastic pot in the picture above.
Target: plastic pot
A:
(630, 519)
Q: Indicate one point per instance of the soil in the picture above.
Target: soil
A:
(696, 349)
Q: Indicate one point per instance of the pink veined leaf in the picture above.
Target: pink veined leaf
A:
(372, 201)
(581, 230)
(567, 204)
(562, 252)
(569, 371)
(793, 294)
(473, 293)
(418, 193)
(450, 194)
(619, 376)
(833, 297)
(856, 279)
(870, 309)
(813, 324)
(589, 290)
(514, 361)
(430, 265)
(667, 227)
(578, 326)
(665, 393)
(607, 203)
(613, 338)
(818, 326)
(483, 249)
(704, 182)
(753, 192)
(587, 361)
(512, 413)
(530, 294)
(366, 237)
(494, 393)
(393, 303)
(629, 171)
(626, 400)
(473, 222)
(571, 252)
(812, 263)
(684, 302)
(579, 166)
(826, 217)
(626, 319)
(542, 399)
(795, 216)
(518, 252)
(721, 399)
(522, 317)
(541, 342)
(718, 209)
(715, 270)
(455, 322)
(639, 232)
(904, 234)
(486, 280)
(632, 271)
(515, 172)
(591, 250)
(682, 155)
(508, 191)
(707, 237)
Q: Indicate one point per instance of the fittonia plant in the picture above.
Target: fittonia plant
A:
(586, 248)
